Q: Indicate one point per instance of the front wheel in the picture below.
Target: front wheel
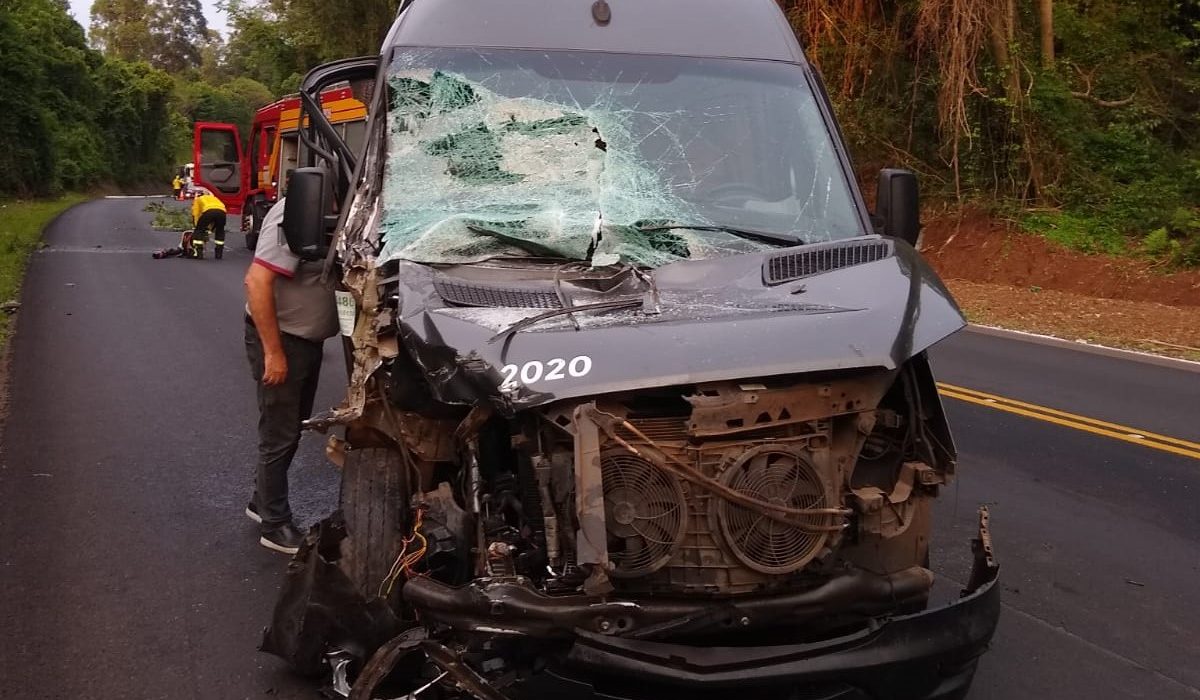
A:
(374, 503)
(253, 214)
(248, 230)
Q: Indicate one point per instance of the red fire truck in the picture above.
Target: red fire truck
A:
(249, 181)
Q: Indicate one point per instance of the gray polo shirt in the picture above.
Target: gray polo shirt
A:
(304, 307)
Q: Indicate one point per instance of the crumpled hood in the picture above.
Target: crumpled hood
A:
(716, 320)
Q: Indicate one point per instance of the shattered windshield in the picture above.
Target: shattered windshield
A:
(604, 158)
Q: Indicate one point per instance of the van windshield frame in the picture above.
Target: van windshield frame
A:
(627, 142)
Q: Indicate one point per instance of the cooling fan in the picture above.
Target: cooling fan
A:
(786, 478)
(645, 511)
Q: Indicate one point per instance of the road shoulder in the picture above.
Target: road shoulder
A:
(1140, 326)
(1086, 347)
(24, 223)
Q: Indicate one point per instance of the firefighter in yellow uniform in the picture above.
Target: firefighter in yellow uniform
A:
(177, 185)
(209, 213)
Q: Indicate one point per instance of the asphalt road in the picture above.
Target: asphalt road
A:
(128, 571)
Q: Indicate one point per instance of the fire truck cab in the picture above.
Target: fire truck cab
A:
(249, 181)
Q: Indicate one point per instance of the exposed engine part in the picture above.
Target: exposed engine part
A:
(784, 475)
(726, 496)
(544, 473)
(421, 691)
(784, 514)
(465, 678)
(645, 510)
(516, 608)
(890, 514)
(591, 545)
(429, 439)
(731, 504)
(729, 407)
(634, 494)
(701, 537)
(448, 546)
(717, 492)
(339, 664)
(384, 661)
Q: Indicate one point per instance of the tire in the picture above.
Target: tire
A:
(251, 236)
(257, 212)
(374, 503)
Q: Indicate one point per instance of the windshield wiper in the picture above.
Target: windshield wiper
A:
(615, 305)
(528, 246)
(748, 234)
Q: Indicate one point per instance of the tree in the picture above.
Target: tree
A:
(135, 116)
(123, 29)
(167, 34)
(235, 101)
(47, 140)
(214, 63)
(332, 30)
(26, 156)
(69, 118)
(180, 31)
(1046, 16)
(259, 47)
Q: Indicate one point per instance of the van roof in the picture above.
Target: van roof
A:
(754, 29)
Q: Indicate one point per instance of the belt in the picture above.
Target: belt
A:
(250, 322)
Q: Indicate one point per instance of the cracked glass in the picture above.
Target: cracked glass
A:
(604, 157)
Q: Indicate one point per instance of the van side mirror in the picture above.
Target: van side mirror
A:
(304, 213)
(898, 205)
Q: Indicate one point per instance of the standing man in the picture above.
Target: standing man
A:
(289, 314)
(208, 212)
(176, 186)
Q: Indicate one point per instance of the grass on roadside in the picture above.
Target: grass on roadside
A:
(21, 224)
(168, 217)
(1175, 246)
(1087, 234)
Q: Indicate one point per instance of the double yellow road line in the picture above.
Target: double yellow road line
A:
(1124, 433)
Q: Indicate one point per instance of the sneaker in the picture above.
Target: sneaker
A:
(285, 539)
(252, 512)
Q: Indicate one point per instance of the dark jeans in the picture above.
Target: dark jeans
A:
(214, 219)
(281, 408)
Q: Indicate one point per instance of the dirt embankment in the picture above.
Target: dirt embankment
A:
(980, 249)
(1005, 277)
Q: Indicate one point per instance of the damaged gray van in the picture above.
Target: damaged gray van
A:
(639, 400)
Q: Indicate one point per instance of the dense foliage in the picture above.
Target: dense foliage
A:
(1076, 117)
(117, 109)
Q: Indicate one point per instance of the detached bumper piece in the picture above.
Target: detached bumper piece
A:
(319, 608)
(928, 655)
